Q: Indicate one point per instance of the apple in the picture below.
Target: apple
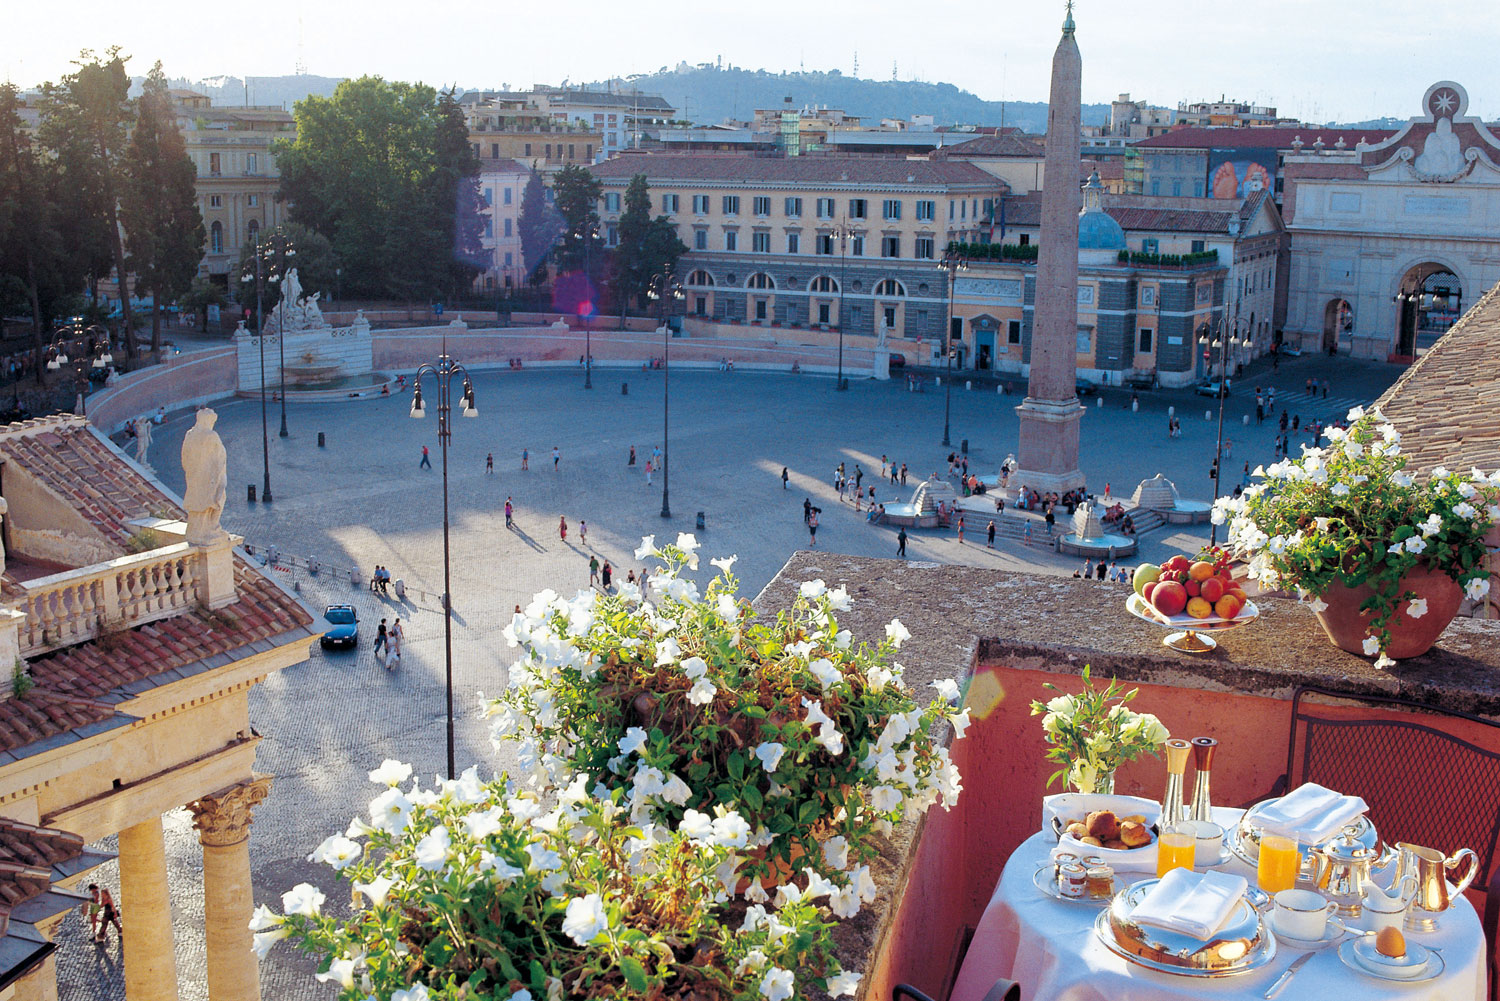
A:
(1145, 574)
(1199, 608)
(1212, 589)
(1169, 597)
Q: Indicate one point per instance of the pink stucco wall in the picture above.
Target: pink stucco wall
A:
(192, 377)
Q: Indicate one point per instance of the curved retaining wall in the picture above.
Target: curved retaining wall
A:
(185, 380)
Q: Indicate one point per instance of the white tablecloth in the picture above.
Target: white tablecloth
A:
(1050, 947)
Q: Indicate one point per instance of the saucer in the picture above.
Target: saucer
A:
(1430, 970)
(1332, 932)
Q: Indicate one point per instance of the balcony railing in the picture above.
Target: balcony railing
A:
(79, 605)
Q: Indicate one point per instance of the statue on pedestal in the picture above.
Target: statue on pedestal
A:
(4, 513)
(205, 465)
(142, 439)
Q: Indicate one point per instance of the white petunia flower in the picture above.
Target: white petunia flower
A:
(728, 608)
(1356, 413)
(264, 919)
(585, 919)
(1477, 588)
(633, 741)
(1339, 489)
(431, 852)
(1402, 479)
(1416, 545)
(1465, 510)
(813, 588)
(777, 984)
(825, 672)
(520, 995)
(831, 739)
(1371, 646)
(338, 851)
(1416, 608)
(1384, 661)
(815, 714)
(391, 773)
(697, 825)
(731, 831)
(304, 899)
(947, 689)
(755, 893)
(695, 667)
(839, 600)
(836, 852)
(416, 992)
(1431, 526)
(648, 547)
(897, 633)
(376, 890)
(960, 723)
(340, 971)
(390, 811)
(770, 753)
(724, 563)
(844, 983)
(261, 942)
(667, 651)
(481, 825)
(702, 692)
(877, 678)
(541, 858)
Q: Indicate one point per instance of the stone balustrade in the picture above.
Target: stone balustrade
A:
(79, 605)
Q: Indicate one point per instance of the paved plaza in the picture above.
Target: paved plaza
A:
(362, 500)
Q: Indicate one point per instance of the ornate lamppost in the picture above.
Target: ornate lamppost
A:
(951, 263)
(265, 437)
(664, 286)
(843, 231)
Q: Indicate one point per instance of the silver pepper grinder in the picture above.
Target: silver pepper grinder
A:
(1203, 761)
(1171, 804)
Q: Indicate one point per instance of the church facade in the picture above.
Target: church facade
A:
(1391, 242)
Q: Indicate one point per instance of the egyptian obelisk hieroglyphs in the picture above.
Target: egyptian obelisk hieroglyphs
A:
(1050, 416)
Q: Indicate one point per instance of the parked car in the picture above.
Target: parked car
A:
(898, 360)
(1084, 387)
(1213, 387)
(343, 627)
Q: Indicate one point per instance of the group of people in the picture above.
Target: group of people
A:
(654, 462)
(1115, 515)
(389, 640)
(1112, 572)
(380, 580)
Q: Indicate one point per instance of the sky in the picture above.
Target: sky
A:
(1318, 60)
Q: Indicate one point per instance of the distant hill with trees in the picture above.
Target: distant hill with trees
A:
(267, 91)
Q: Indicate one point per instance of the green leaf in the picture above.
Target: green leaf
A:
(737, 766)
(635, 974)
(538, 976)
(756, 711)
(753, 797)
(807, 812)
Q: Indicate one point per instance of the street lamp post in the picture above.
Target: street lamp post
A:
(443, 373)
(950, 264)
(260, 339)
(662, 287)
(843, 231)
(286, 251)
(588, 235)
(1222, 342)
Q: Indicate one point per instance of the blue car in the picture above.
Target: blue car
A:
(343, 628)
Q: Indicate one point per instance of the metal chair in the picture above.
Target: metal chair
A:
(1004, 990)
(1453, 804)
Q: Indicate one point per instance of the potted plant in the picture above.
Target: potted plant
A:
(485, 890)
(689, 702)
(1093, 733)
(1382, 556)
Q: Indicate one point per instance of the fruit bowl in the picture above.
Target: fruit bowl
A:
(1186, 636)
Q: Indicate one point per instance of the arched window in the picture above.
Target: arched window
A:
(216, 238)
(823, 283)
(889, 287)
(252, 231)
(701, 277)
(760, 280)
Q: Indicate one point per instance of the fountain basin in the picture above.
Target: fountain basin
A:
(346, 387)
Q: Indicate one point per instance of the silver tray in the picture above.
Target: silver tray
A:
(1244, 838)
(1244, 943)
(1045, 880)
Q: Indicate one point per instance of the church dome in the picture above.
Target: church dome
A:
(1097, 229)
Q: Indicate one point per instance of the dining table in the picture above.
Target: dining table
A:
(1052, 949)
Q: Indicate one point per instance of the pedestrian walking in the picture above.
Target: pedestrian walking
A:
(1325, 389)
(489, 463)
(103, 913)
(1307, 387)
(901, 542)
(960, 529)
(1106, 493)
(859, 475)
(426, 462)
(784, 478)
(509, 510)
(812, 527)
(631, 461)
(1088, 569)
(606, 574)
(903, 474)
(1245, 477)
(382, 638)
(806, 510)
(1100, 570)
(1260, 409)
(525, 458)
(1051, 520)
(895, 473)
(1028, 532)
(648, 472)
(990, 535)
(397, 634)
(583, 532)
(562, 527)
(884, 465)
(556, 455)
(593, 570)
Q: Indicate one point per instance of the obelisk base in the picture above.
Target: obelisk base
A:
(1048, 453)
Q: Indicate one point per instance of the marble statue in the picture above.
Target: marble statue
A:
(296, 311)
(205, 465)
(1441, 155)
(142, 440)
(4, 513)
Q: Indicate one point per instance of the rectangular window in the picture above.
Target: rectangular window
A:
(253, 201)
(1148, 245)
(856, 315)
(252, 163)
(963, 209)
(1176, 187)
(1013, 332)
(823, 312)
(488, 196)
(1085, 340)
(823, 244)
(1197, 246)
(890, 246)
(1198, 189)
(926, 211)
(589, 151)
(891, 209)
(612, 235)
(1155, 186)
(731, 204)
(793, 208)
(700, 305)
(700, 240)
(670, 203)
(549, 151)
(762, 205)
(489, 227)
(952, 210)
(528, 150)
(856, 246)
(570, 151)
(612, 201)
(215, 201)
(825, 208)
(793, 243)
(215, 162)
(508, 258)
(494, 151)
(760, 309)
(507, 227)
(1144, 346)
(924, 248)
(731, 240)
(505, 196)
(700, 204)
(890, 317)
(856, 208)
(760, 243)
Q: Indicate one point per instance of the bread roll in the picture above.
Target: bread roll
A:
(1103, 825)
(1134, 835)
(1076, 829)
(1117, 845)
(1089, 839)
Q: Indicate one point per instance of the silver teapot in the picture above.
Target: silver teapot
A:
(1341, 870)
(1429, 867)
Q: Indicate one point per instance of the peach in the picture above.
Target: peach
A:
(1201, 570)
(1193, 588)
(1169, 597)
(1198, 608)
(1211, 590)
(1228, 606)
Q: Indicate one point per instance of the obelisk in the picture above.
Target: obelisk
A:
(1050, 415)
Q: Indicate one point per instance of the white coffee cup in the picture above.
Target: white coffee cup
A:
(1303, 914)
(1208, 843)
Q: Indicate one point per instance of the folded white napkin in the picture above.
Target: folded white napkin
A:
(1310, 813)
(1190, 903)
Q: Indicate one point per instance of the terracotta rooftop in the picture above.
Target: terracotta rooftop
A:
(167, 650)
(892, 171)
(1253, 137)
(30, 859)
(1447, 405)
(1027, 211)
(42, 719)
(994, 146)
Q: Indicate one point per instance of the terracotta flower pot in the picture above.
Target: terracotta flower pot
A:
(1346, 625)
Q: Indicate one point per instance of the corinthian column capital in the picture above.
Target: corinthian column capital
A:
(223, 818)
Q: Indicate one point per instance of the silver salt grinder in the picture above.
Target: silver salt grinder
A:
(1171, 804)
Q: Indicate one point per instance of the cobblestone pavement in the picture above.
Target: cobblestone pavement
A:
(362, 500)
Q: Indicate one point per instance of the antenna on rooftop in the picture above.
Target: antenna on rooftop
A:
(856, 64)
(301, 50)
(894, 78)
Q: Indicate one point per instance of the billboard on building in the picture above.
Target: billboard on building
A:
(1235, 173)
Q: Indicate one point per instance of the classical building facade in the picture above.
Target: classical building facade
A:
(1392, 241)
(549, 127)
(136, 640)
(1230, 163)
(502, 183)
(816, 241)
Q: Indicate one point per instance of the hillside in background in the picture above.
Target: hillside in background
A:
(229, 91)
(707, 94)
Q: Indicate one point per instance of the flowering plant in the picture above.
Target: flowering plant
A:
(688, 703)
(490, 890)
(1093, 733)
(1351, 514)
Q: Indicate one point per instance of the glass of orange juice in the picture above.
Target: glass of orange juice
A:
(1174, 850)
(1279, 862)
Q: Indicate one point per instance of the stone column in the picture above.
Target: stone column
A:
(146, 913)
(223, 823)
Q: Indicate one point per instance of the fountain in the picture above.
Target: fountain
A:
(1159, 494)
(922, 510)
(1089, 537)
(320, 362)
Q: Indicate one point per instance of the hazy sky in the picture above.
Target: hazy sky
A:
(1314, 59)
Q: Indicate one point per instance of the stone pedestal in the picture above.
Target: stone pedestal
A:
(882, 365)
(223, 822)
(146, 915)
(213, 570)
(1048, 443)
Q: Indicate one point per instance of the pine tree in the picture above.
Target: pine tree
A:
(632, 270)
(455, 194)
(159, 203)
(576, 191)
(30, 246)
(540, 225)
